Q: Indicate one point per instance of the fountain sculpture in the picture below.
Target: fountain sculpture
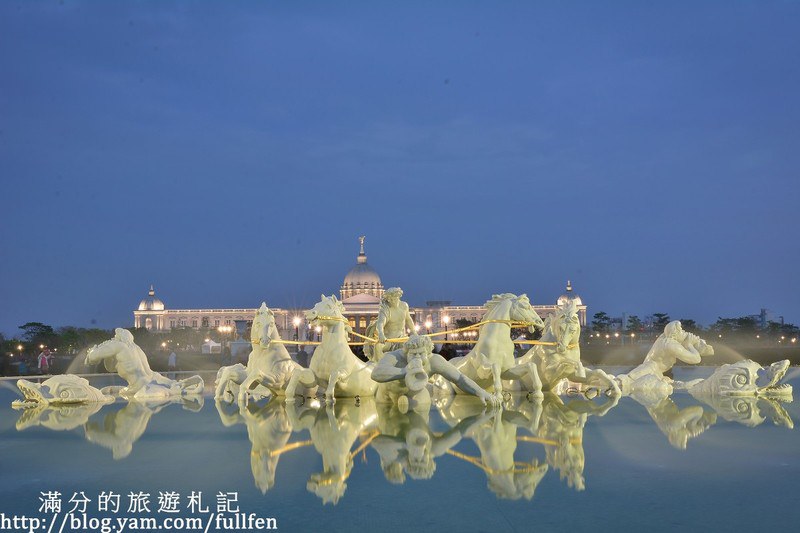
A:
(403, 375)
(269, 366)
(120, 354)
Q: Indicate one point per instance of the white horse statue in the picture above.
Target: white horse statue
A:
(557, 365)
(121, 355)
(491, 360)
(333, 364)
(269, 367)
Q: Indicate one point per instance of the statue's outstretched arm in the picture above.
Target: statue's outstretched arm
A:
(440, 365)
(386, 370)
(453, 436)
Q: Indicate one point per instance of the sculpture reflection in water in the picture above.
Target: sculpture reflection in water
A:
(269, 431)
(117, 430)
(64, 417)
(551, 422)
(334, 429)
(496, 439)
(407, 445)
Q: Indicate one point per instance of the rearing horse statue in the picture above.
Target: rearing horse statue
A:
(491, 360)
(333, 364)
(561, 363)
(269, 367)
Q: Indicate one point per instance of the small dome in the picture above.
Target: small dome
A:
(151, 303)
(569, 295)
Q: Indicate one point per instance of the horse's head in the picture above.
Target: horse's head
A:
(263, 326)
(327, 312)
(567, 325)
(522, 311)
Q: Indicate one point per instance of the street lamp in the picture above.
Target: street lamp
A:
(318, 329)
(296, 321)
(416, 328)
(428, 325)
(446, 320)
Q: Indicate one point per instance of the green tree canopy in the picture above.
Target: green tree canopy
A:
(38, 333)
(660, 320)
(634, 324)
(601, 322)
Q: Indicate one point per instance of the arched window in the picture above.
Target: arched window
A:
(148, 323)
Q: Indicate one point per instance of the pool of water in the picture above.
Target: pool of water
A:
(562, 463)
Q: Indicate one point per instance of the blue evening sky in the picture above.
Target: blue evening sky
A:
(232, 152)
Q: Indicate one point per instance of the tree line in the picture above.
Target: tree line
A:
(745, 326)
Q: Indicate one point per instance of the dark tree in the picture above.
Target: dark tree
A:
(601, 322)
(660, 320)
(634, 324)
(37, 333)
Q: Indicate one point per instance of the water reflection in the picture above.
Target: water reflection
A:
(680, 425)
(334, 429)
(495, 435)
(57, 417)
(119, 430)
(750, 411)
(407, 445)
(515, 446)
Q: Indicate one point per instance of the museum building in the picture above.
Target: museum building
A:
(360, 292)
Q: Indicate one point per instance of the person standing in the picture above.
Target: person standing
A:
(172, 361)
(44, 363)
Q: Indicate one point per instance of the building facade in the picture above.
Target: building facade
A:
(360, 292)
